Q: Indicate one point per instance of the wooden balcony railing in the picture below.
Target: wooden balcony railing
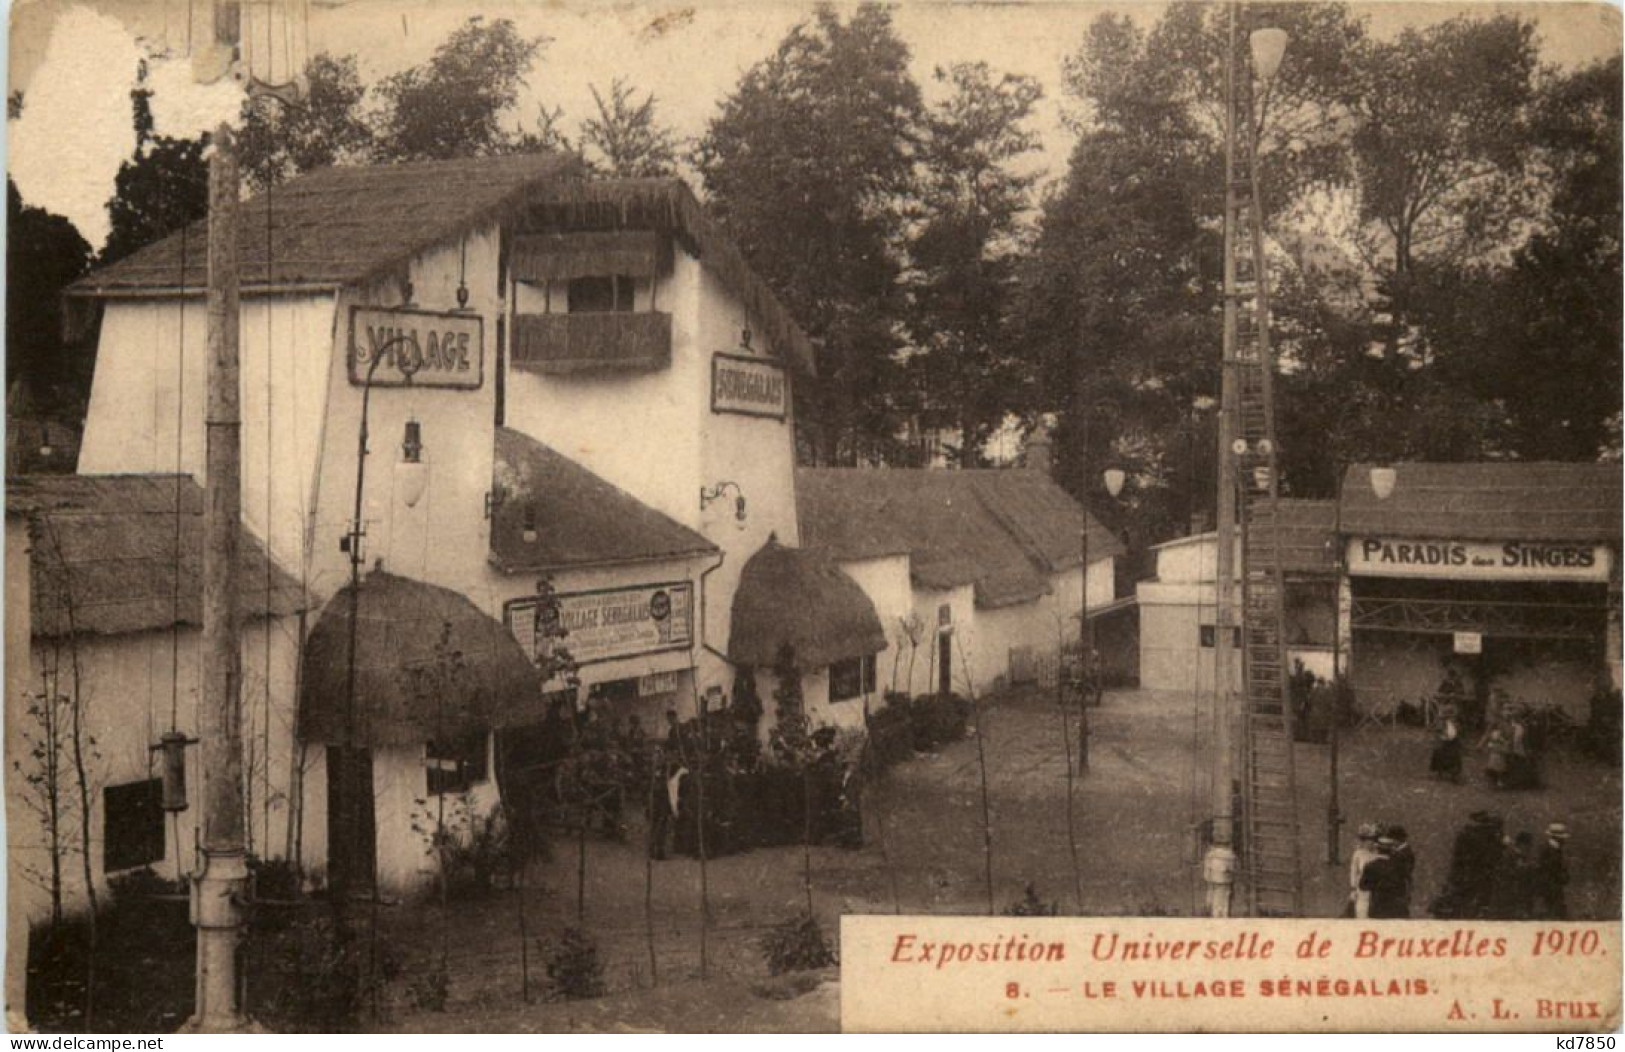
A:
(554, 344)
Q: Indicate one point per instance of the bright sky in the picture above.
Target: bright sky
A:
(689, 54)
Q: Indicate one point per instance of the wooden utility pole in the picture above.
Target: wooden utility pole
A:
(219, 888)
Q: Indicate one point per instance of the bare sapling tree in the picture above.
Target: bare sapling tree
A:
(981, 768)
(42, 770)
(81, 744)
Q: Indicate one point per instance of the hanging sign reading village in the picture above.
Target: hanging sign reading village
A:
(752, 386)
(1478, 560)
(417, 347)
(614, 622)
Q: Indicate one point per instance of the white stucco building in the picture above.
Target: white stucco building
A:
(1179, 603)
(976, 574)
(563, 380)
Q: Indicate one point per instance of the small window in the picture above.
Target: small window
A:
(1210, 636)
(455, 765)
(600, 294)
(132, 825)
(851, 678)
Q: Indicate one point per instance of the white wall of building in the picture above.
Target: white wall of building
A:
(127, 693)
(150, 382)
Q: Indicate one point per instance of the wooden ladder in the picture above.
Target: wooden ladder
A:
(1269, 844)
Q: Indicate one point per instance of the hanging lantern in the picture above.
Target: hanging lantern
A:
(1114, 479)
(172, 747)
(1382, 481)
(411, 473)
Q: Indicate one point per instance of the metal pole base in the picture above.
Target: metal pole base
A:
(1219, 873)
(218, 895)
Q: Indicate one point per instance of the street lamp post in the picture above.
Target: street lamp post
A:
(348, 777)
(1334, 812)
(1112, 479)
(1382, 486)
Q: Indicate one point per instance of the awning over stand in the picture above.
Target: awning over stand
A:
(801, 598)
(428, 665)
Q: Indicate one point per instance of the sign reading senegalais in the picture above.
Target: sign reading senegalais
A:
(614, 622)
(1478, 560)
(751, 386)
(423, 348)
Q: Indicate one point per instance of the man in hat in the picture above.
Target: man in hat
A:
(1552, 875)
(1364, 851)
(1405, 859)
(1513, 891)
(1474, 856)
(1384, 878)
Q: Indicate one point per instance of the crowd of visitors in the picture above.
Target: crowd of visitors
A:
(1496, 875)
(1493, 875)
(598, 774)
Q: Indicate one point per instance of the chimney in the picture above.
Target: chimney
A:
(1039, 451)
(1198, 523)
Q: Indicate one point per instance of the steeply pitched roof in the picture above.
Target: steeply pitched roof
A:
(1305, 536)
(1003, 531)
(579, 519)
(409, 688)
(104, 554)
(340, 226)
(799, 598)
(1489, 501)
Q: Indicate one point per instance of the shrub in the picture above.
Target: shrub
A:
(1030, 905)
(430, 988)
(796, 945)
(322, 983)
(891, 733)
(573, 969)
(938, 719)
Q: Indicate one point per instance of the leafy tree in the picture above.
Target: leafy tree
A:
(454, 104)
(1442, 130)
(325, 127)
(808, 166)
(1540, 338)
(44, 253)
(626, 140)
(966, 249)
(1119, 306)
(161, 189)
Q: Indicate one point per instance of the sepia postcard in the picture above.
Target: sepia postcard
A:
(587, 517)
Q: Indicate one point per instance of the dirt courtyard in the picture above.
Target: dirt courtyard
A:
(923, 853)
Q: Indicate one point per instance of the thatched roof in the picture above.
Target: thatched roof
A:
(579, 519)
(109, 554)
(1500, 501)
(1305, 536)
(800, 598)
(409, 688)
(338, 227)
(1003, 531)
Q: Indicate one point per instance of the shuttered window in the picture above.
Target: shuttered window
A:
(132, 825)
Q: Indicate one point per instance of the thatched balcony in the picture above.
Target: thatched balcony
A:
(554, 344)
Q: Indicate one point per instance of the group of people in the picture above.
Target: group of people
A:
(1511, 760)
(1493, 875)
(1382, 870)
(1497, 876)
(718, 784)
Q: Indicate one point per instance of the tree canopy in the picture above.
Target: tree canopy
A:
(808, 165)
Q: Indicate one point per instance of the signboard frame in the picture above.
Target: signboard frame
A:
(525, 606)
(386, 378)
(716, 363)
(1473, 560)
